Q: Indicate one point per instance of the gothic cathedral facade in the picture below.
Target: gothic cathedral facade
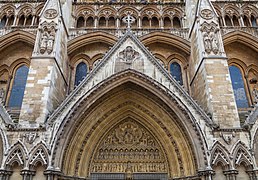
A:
(128, 90)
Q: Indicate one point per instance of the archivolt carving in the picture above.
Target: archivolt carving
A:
(129, 145)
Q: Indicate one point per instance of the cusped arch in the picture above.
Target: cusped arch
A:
(16, 36)
(188, 151)
(90, 38)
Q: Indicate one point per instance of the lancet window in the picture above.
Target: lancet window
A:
(176, 72)
(238, 87)
(81, 72)
(18, 87)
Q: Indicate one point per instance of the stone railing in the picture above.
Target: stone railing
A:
(30, 29)
(250, 30)
(75, 32)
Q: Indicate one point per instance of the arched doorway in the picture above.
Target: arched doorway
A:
(103, 136)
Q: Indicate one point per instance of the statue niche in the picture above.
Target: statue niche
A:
(128, 147)
(129, 58)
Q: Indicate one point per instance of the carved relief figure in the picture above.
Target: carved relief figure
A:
(126, 148)
(129, 58)
(47, 37)
(210, 37)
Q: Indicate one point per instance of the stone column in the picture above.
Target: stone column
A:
(206, 174)
(4, 174)
(252, 174)
(27, 174)
(52, 174)
(230, 174)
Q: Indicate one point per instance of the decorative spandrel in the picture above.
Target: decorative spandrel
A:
(129, 144)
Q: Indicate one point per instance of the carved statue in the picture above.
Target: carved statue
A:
(210, 38)
(47, 37)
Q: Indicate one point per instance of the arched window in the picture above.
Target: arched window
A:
(29, 20)
(102, 22)
(167, 22)
(81, 72)
(90, 22)
(176, 22)
(253, 20)
(111, 22)
(80, 22)
(145, 22)
(246, 21)
(3, 22)
(175, 70)
(10, 21)
(228, 21)
(154, 22)
(21, 20)
(18, 87)
(238, 87)
(235, 21)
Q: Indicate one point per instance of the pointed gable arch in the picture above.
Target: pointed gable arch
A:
(219, 154)
(39, 154)
(241, 155)
(17, 153)
(134, 59)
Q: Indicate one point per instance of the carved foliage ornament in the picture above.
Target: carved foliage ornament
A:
(47, 39)
(210, 37)
(207, 14)
(129, 145)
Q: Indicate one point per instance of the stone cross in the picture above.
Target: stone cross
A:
(129, 20)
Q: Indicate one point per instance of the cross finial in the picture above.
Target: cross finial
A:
(129, 20)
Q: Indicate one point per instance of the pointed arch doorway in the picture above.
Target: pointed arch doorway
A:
(113, 113)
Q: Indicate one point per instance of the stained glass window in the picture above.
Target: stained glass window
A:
(238, 87)
(175, 70)
(81, 72)
(18, 87)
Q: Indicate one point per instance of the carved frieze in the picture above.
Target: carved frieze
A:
(129, 145)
